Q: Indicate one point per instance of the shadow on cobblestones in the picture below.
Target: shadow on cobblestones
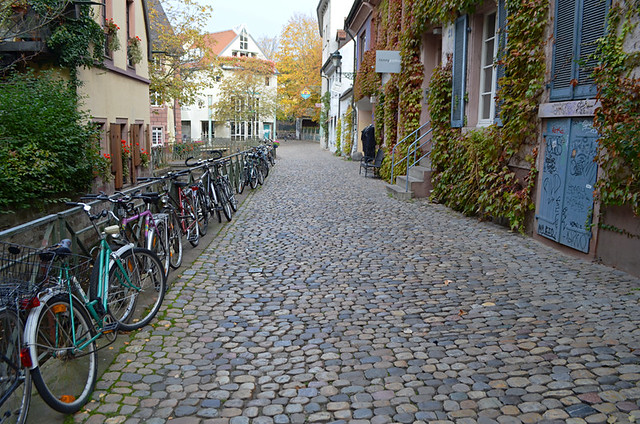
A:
(327, 301)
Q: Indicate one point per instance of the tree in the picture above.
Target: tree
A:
(298, 62)
(182, 59)
(243, 93)
(269, 46)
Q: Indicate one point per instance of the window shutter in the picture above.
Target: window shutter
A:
(563, 59)
(116, 154)
(594, 13)
(502, 46)
(459, 72)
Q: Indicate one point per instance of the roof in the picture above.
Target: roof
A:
(218, 41)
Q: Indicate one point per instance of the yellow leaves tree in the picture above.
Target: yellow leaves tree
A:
(299, 59)
(243, 92)
(182, 62)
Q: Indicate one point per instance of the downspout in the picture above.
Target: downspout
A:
(354, 124)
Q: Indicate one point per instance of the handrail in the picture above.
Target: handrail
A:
(55, 227)
(411, 151)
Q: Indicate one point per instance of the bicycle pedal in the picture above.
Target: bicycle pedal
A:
(110, 328)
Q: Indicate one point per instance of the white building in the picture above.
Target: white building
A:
(337, 69)
(199, 120)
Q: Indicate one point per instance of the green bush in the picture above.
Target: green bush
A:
(48, 148)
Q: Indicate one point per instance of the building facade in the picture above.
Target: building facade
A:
(551, 169)
(255, 118)
(337, 77)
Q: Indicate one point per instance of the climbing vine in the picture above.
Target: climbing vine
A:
(618, 118)
(347, 133)
(77, 41)
(339, 137)
(473, 171)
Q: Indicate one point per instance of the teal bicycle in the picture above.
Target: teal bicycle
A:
(126, 288)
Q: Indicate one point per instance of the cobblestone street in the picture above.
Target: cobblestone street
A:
(325, 300)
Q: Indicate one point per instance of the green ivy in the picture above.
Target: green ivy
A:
(324, 115)
(339, 137)
(77, 41)
(617, 119)
(50, 155)
(472, 172)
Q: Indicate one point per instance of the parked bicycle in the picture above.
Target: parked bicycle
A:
(183, 207)
(215, 187)
(125, 291)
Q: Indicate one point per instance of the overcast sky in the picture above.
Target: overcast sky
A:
(262, 17)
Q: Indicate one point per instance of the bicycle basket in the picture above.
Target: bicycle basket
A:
(23, 272)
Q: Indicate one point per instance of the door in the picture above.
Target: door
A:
(568, 178)
(267, 131)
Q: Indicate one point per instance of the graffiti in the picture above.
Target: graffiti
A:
(557, 130)
(547, 231)
(577, 239)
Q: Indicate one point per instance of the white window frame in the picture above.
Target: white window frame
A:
(486, 39)
(157, 136)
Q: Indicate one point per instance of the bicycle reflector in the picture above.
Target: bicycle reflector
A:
(59, 308)
(28, 304)
(25, 357)
(67, 398)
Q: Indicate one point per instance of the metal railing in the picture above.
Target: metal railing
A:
(74, 224)
(412, 151)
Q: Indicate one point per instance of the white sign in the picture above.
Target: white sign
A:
(388, 61)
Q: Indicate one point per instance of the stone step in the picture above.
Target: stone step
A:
(398, 192)
(418, 172)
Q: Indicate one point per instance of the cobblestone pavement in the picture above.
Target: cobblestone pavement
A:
(327, 301)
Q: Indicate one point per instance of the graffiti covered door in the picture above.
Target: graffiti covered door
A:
(568, 177)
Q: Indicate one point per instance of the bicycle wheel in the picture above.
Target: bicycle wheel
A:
(224, 202)
(157, 242)
(201, 208)
(214, 200)
(15, 381)
(242, 180)
(260, 175)
(228, 191)
(175, 239)
(253, 176)
(135, 298)
(64, 372)
(191, 221)
(264, 165)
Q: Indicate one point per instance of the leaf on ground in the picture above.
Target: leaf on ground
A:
(462, 312)
(447, 282)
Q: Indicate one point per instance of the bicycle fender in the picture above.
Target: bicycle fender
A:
(118, 253)
(32, 323)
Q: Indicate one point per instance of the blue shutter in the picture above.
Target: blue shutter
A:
(562, 70)
(502, 47)
(459, 72)
(592, 27)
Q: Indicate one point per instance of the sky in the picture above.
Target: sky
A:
(263, 18)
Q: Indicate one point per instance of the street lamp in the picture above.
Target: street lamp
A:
(336, 59)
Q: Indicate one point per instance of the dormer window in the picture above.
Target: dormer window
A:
(244, 41)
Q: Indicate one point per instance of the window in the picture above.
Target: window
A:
(578, 25)
(155, 98)
(244, 41)
(204, 126)
(266, 81)
(488, 72)
(157, 136)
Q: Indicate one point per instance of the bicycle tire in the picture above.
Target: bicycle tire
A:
(200, 205)
(242, 180)
(64, 378)
(133, 308)
(191, 222)
(224, 202)
(265, 167)
(15, 408)
(230, 194)
(158, 243)
(253, 177)
(260, 175)
(175, 239)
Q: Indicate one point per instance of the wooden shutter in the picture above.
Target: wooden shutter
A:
(116, 154)
(594, 15)
(563, 50)
(502, 47)
(459, 72)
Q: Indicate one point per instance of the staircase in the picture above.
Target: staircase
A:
(417, 182)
